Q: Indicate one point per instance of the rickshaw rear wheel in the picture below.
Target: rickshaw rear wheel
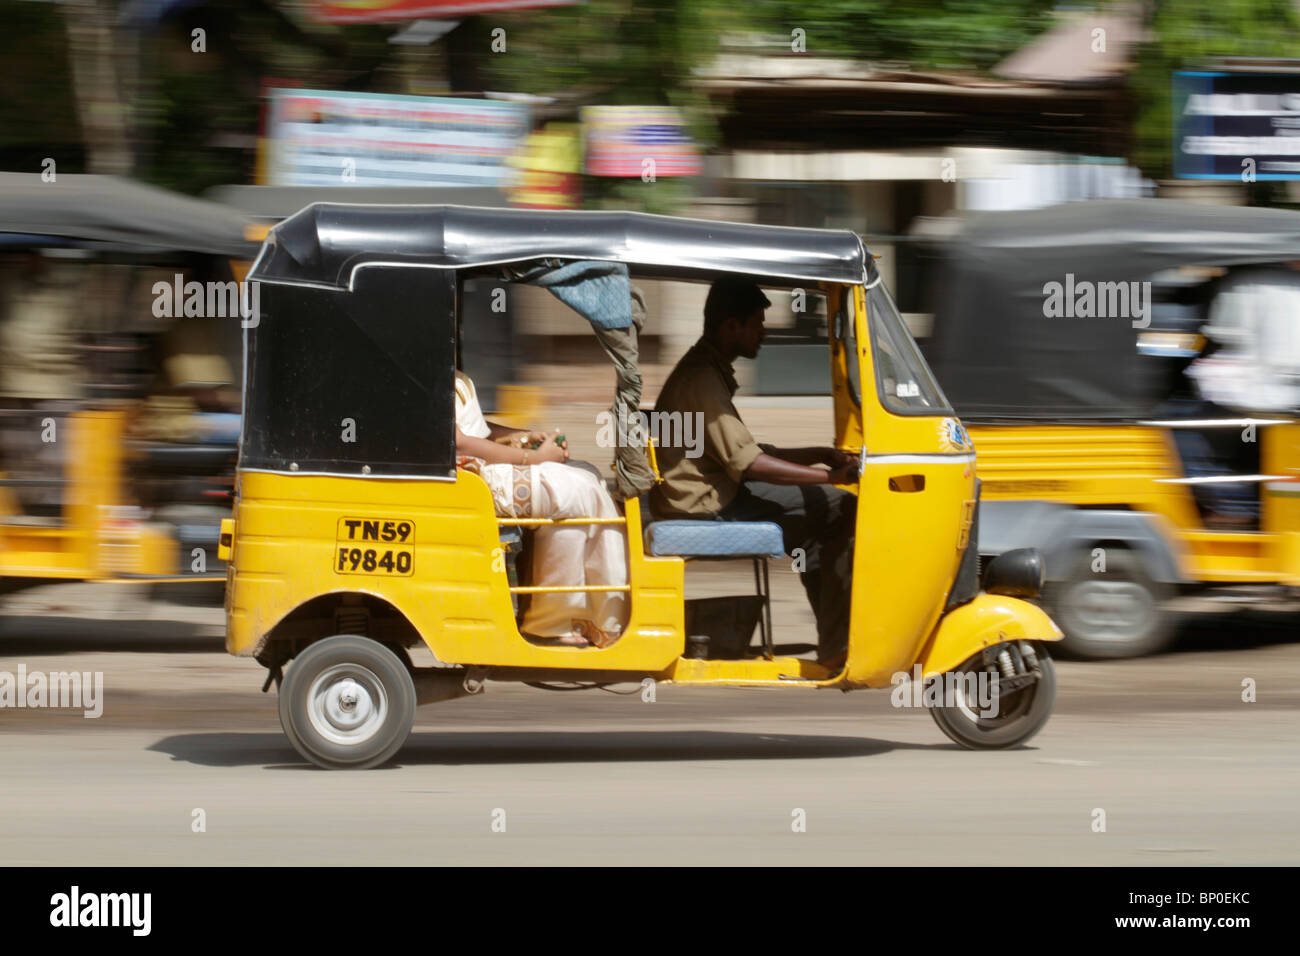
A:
(347, 703)
(1020, 714)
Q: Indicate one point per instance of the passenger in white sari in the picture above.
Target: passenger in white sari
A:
(536, 483)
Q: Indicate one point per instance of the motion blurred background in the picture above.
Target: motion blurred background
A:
(899, 120)
(883, 117)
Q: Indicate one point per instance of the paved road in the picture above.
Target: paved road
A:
(1185, 771)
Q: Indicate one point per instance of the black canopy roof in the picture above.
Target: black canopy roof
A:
(995, 352)
(325, 243)
(119, 214)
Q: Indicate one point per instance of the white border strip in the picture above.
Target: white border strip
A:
(1221, 480)
(1214, 422)
(938, 457)
(339, 474)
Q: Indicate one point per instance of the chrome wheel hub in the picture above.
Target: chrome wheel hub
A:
(347, 704)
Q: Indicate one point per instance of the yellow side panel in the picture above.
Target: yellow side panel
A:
(1280, 454)
(285, 552)
(1105, 465)
(908, 549)
(1288, 548)
(1125, 466)
(749, 672)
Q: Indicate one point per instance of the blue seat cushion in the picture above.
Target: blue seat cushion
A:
(704, 538)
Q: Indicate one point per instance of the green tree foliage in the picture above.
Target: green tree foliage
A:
(626, 52)
(933, 34)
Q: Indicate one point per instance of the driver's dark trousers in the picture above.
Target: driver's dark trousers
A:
(817, 524)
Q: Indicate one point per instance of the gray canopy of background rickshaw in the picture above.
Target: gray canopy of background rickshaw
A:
(997, 355)
(119, 214)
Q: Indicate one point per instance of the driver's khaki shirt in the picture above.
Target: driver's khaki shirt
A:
(703, 382)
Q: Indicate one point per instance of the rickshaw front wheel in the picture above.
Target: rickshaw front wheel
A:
(347, 703)
(1014, 716)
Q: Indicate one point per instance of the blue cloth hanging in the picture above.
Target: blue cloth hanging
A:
(600, 292)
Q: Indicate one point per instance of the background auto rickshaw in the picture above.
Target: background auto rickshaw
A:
(358, 322)
(115, 464)
(1094, 445)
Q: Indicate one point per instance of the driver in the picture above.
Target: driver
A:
(736, 479)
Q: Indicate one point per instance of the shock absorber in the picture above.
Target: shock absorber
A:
(1005, 665)
(352, 619)
(1031, 659)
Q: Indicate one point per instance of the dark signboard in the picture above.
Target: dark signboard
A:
(1242, 126)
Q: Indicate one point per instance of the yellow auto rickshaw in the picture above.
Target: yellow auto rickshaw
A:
(110, 469)
(1069, 339)
(355, 537)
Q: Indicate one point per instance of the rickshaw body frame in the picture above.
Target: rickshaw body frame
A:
(281, 542)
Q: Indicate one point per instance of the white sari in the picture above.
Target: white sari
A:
(564, 555)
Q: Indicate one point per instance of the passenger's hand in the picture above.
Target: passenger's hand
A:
(550, 451)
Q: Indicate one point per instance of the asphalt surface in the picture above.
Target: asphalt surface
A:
(1184, 770)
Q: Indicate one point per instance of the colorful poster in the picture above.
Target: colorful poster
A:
(640, 141)
(318, 138)
(376, 11)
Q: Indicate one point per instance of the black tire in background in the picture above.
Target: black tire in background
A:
(347, 703)
(1116, 613)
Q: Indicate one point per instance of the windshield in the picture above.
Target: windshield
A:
(903, 380)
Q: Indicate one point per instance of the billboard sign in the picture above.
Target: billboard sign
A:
(638, 140)
(1242, 126)
(318, 138)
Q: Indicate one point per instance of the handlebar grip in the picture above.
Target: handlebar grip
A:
(855, 472)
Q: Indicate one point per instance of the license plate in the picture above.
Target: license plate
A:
(375, 546)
